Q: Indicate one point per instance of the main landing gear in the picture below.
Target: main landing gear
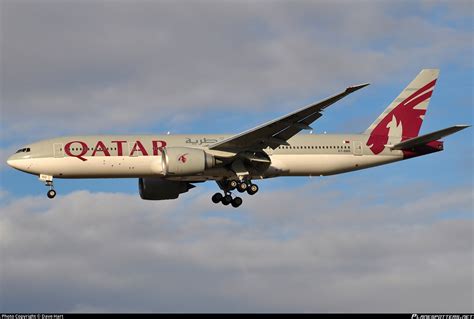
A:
(48, 180)
(227, 199)
(228, 187)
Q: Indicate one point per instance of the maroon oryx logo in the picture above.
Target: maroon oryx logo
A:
(405, 116)
(183, 159)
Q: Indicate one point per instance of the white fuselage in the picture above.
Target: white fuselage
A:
(140, 156)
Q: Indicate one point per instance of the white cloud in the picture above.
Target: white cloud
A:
(79, 65)
(114, 252)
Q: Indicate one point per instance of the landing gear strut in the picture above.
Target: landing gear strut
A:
(228, 186)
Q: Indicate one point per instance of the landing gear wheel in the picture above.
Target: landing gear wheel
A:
(233, 185)
(51, 193)
(252, 189)
(226, 200)
(217, 197)
(242, 187)
(236, 202)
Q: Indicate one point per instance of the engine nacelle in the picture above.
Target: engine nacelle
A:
(155, 188)
(186, 161)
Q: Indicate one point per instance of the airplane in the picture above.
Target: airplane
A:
(169, 165)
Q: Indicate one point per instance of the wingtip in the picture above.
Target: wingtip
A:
(353, 88)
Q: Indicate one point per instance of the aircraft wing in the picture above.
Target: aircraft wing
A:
(277, 132)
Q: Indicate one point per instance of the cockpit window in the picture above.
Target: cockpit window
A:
(27, 149)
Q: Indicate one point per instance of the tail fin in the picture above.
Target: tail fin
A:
(404, 116)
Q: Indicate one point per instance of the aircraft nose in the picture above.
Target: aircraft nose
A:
(11, 161)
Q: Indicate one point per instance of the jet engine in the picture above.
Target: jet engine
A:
(186, 161)
(155, 188)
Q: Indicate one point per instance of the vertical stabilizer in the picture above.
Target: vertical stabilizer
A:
(404, 116)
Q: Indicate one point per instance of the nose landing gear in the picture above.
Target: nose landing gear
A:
(228, 186)
(51, 194)
(48, 180)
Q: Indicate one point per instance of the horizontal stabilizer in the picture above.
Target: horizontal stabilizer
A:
(423, 139)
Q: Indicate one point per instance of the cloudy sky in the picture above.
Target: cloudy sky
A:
(393, 238)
